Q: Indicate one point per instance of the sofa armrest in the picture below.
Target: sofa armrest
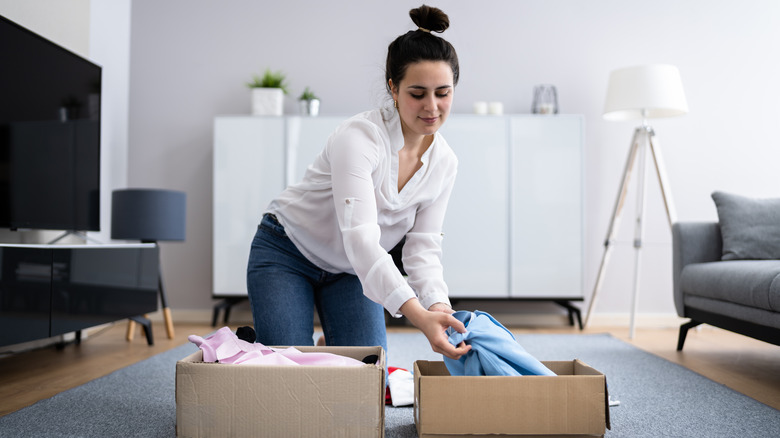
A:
(693, 242)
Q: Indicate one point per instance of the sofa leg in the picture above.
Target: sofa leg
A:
(684, 332)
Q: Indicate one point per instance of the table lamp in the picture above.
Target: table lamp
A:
(151, 216)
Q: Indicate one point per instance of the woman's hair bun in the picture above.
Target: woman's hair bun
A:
(430, 18)
(418, 45)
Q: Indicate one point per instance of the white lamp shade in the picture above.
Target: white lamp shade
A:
(645, 92)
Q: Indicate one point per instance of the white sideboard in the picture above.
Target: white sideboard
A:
(514, 224)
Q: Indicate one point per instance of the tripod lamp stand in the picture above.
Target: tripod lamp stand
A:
(151, 216)
(640, 93)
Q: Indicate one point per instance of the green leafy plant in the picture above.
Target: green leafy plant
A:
(307, 95)
(269, 79)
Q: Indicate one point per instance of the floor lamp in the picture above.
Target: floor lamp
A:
(640, 93)
(151, 216)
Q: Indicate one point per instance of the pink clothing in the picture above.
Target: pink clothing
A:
(223, 346)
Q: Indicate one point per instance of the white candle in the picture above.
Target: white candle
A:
(546, 108)
(480, 107)
(496, 108)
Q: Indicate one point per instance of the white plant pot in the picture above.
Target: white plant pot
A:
(310, 107)
(267, 102)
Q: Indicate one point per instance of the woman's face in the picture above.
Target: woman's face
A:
(424, 96)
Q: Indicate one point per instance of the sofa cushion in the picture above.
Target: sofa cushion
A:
(750, 226)
(754, 283)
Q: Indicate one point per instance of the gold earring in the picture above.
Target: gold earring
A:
(396, 103)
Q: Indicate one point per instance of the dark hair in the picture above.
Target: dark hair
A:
(421, 45)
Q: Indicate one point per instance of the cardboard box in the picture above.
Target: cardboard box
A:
(220, 400)
(572, 404)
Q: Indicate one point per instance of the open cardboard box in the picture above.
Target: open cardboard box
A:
(218, 400)
(574, 403)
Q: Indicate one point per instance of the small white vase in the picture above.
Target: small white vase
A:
(267, 101)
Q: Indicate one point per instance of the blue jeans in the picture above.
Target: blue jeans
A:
(284, 288)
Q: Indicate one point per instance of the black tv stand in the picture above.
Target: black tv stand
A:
(51, 290)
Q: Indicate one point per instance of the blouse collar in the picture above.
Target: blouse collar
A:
(393, 124)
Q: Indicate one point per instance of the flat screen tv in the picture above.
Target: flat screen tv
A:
(49, 134)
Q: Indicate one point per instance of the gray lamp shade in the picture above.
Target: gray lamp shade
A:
(148, 215)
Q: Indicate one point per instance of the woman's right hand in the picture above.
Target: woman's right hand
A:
(434, 324)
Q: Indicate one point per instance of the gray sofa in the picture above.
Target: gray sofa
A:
(740, 293)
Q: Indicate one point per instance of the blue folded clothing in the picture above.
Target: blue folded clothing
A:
(494, 350)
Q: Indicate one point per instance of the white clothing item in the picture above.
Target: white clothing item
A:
(346, 213)
(401, 383)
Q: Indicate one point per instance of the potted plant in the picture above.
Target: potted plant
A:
(309, 102)
(268, 93)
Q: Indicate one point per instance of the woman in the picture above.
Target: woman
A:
(382, 176)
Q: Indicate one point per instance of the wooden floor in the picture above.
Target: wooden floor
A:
(741, 363)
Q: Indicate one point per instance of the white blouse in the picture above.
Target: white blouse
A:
(346, 213)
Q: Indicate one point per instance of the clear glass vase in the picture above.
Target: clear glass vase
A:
(545, 100)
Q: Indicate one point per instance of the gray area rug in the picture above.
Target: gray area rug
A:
(658, 398)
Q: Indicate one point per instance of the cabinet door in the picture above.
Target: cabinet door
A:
(249, 165)
(94, 285)
(25, 294)
(476, 244)
(306, 137)
(546, 212)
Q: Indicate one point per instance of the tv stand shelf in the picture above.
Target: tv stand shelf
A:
(48, 290)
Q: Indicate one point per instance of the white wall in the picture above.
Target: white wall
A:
(110, 47)
(189, 60)
(65, 22)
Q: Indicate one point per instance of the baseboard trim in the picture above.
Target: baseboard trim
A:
(200, 316)
(642, 320)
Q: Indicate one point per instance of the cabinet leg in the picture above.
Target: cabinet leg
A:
(146, 323)
(225, 305)
(574, 312)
